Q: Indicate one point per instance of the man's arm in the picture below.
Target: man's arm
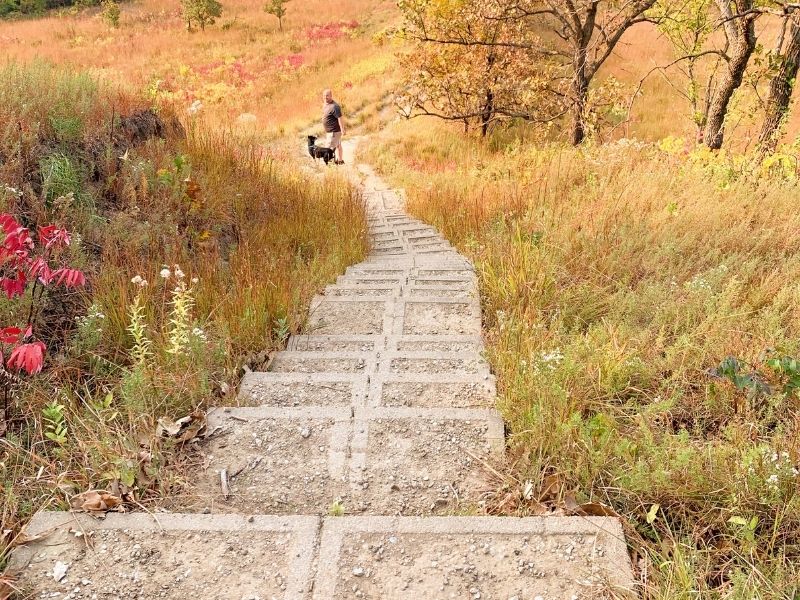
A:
(341, 124)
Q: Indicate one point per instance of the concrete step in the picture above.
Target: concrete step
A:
(236, 557)
(280, 460)
(374, 343)
(383, 361)
(383, 389)
(290, 361)
(303, 389)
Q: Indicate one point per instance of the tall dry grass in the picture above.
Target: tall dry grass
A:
(614, 282)
(244, 242)
(241, 65)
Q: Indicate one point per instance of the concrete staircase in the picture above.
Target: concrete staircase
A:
(355, 468)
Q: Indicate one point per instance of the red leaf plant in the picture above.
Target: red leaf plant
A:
(21, 263)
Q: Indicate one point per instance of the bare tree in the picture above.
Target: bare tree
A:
(782, 85)
(738, 19)
(587, 32)
(555, 47)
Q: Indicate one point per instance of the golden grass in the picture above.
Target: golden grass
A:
(614, 280)
(259, 237)
(240, 65)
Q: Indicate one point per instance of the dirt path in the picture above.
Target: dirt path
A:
(353, 467)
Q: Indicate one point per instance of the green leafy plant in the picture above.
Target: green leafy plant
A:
(111, 13)
(732, 369)
(202, 12)
(788, 369)
(55, 423)
(277, 8)
(336, 509)
(282, 329)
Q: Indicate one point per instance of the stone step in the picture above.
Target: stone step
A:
(176, 556)
(373, 343)
(422, 390)
(422, 360)
(320, 362)
(282, 460)
(409, 291)
(418, 315)
(383, 389)
(236, 557)
(491, 558)
(303, 389)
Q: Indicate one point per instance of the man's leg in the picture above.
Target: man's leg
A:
(339, 151)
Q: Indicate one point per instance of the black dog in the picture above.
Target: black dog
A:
(322, 152)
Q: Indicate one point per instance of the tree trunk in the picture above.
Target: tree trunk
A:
(580, 90)
(741, 33)
(780, 92)
(581, 75)
(487, 113)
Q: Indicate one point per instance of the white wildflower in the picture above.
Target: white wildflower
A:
(139, 280)
(165, 273)
(178, 273)
(195, 107)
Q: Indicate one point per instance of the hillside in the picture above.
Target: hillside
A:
(638, 291)
(246, 73)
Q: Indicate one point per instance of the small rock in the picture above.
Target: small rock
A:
(305, 433)
(358, 571)
(60, 570)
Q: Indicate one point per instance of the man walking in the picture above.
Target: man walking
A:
(333, 124)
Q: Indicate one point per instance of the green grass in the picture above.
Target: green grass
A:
(614, 282)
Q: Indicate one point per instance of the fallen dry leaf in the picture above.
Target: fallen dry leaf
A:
(184, 429)
(596, 509)
(570, 504)
(538, 509)
(6, 587)
(551, 486)
(95, 501)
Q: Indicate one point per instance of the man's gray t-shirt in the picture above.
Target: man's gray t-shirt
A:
(331, 114)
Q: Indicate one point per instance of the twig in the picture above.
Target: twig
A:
(223, 480)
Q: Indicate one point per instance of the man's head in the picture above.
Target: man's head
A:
(327, 96)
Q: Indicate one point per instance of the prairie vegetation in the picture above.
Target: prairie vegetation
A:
(201, 253)
(251, 77)
(640, 309)
(639, 288)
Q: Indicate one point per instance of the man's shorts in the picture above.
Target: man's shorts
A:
(334, 139)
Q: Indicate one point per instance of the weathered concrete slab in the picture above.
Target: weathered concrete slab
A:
(487, 558)
(435, 343)
(415, 461)
(442, 272)
(457, 292)
(303, 389)
(333, 343)
(346, 316)
(453, 317)
(371, 281)
(318, 362)
(432, 362)
(277, 460)
(352, 291)
(431, 391)
(443, 282)
(376, 271)
(181, 557)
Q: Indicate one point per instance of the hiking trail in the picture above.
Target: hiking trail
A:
(383, 413)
